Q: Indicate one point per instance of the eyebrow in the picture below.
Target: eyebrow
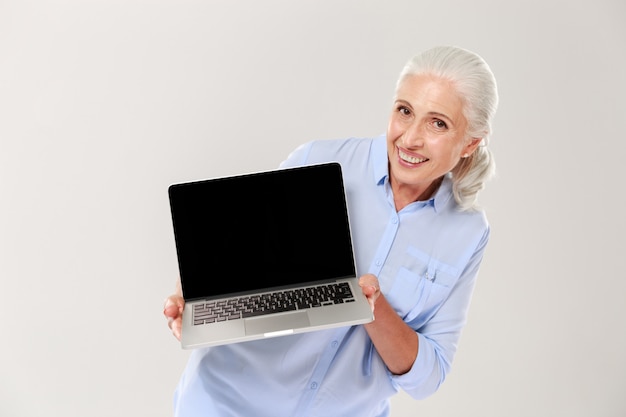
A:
(440, 115)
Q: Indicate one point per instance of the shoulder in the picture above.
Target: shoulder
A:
(471, 226)
(327, 150)
(453, 221)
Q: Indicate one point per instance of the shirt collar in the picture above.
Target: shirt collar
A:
(443, 194)
(381, 174)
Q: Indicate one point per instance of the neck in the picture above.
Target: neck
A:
(403, 196)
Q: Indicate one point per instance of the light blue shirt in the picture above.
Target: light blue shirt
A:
(426, 258)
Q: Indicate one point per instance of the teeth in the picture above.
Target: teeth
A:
(412, 159)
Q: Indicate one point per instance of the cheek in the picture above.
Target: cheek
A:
(448, 157)
(453, 148)
(392, 136)
(394, 128)
(452, 161)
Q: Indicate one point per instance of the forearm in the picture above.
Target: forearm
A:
(396, 343)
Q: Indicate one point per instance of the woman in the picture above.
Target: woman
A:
(418, 239)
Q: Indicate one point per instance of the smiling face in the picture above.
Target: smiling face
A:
(426, 137)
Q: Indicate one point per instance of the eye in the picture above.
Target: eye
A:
(403, 110)
(440, 124)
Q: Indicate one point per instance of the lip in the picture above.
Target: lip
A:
(410, 159)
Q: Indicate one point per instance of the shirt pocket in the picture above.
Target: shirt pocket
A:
(421, 285)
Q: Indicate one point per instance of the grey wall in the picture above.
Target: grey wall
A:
(104, 103)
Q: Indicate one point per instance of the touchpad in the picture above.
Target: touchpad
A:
(277, 323)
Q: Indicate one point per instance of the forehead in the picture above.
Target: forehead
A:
(430, 93)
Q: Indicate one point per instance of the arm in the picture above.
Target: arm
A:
(420, 366)
(396, 343)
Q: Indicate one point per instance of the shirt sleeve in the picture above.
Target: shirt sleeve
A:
(439, 336)
(298, 156)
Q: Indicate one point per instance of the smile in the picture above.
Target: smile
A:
(411, 159)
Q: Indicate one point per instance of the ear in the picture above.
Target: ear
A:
(471, 147)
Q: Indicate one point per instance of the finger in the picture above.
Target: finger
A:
(171, 311)
(369, 285)
(175, 325)
(174, 301)
(371, 289)
(369, 280)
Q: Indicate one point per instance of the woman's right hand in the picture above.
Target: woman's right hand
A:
(173, 312)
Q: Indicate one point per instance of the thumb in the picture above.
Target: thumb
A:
(173, 307)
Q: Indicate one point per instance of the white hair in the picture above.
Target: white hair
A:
(475, 83)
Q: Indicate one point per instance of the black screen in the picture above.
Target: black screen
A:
(255, 231)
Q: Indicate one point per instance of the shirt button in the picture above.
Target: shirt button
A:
(394, 221)
(335, 344)
(313, 385)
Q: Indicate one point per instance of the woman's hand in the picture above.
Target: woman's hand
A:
(370, 287)
(173, 312)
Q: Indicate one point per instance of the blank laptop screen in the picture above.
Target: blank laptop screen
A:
(261, 230)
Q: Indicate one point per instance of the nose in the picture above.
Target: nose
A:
(413, 136)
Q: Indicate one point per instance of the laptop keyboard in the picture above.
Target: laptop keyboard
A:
(258, 305)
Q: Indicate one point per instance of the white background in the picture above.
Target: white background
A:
(104, 103)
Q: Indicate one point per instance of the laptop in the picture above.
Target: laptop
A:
(265, 254)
